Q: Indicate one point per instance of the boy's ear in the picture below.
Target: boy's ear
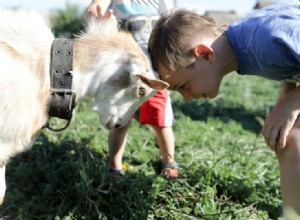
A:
(205, 51)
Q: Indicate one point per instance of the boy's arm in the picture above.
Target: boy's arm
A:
(283, 116)
(286, 87)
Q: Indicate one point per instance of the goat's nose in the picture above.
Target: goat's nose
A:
(117, 125)
(111, 122)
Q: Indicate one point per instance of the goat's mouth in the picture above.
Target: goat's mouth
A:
(112, 123)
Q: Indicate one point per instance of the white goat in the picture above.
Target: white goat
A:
(108, 65)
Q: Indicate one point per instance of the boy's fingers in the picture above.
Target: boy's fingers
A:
(275, 136)
(282, 142)
(267, 134)
(273, 139)
(264, 128)
(283, 137)
(271, 136)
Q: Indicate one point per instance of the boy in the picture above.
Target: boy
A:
(193, 54)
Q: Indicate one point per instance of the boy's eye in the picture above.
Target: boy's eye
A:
(183, 87)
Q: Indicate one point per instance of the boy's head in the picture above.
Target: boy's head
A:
(176, 43)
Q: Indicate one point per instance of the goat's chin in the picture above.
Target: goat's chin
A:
(109, 126)
(112, 122)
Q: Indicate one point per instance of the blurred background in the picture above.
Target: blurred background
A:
(199, 5)
(65, 16)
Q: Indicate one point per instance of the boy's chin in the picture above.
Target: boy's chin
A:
(214, 96)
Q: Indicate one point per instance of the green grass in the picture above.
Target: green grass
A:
(227, 171)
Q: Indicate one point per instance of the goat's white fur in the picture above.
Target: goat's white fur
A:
(108, 66)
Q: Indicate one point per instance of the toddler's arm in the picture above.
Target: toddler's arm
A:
(283, 116)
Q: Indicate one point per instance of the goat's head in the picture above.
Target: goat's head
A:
(122, 93)
(121, 74)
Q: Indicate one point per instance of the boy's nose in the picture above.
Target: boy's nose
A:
(186, 96)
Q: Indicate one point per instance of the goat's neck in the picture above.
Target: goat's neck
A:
(89, 70)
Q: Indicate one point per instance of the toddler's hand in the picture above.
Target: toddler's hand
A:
(98, 9)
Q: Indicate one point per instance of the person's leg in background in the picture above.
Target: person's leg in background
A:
(117, 139)
(157, 112)
(166, 142)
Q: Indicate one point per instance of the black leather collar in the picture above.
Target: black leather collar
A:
(62, 101)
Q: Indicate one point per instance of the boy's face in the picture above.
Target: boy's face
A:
(199, 80)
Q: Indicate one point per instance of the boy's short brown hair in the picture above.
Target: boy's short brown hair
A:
(173, 37)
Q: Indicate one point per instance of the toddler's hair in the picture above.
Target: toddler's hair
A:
(173, 37)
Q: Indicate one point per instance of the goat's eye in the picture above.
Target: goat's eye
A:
(142, 91)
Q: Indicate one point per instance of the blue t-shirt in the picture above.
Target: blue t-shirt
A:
(267, 42)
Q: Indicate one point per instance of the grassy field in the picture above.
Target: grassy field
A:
(227, 170)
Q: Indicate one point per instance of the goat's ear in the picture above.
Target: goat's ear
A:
(153, 83)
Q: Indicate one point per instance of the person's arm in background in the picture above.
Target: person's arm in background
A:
(166, 6)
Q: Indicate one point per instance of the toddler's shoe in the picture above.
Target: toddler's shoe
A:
(170, 170)
(116, 174)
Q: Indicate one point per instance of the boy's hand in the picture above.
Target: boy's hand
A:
(98, 9)
(281, 120)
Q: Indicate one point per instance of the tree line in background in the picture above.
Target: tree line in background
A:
(68, 22)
